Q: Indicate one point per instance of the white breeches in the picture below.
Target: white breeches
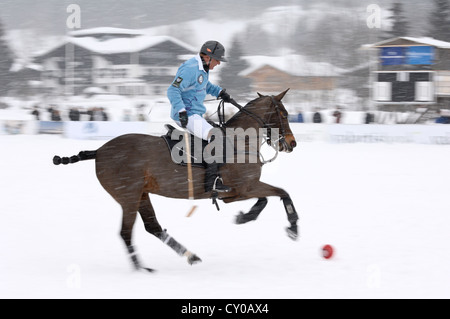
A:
(198, 126)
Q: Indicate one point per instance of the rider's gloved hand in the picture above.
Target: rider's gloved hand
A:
(183, 119)
(225, 96)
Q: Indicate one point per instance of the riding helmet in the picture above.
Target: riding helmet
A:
(215, 50)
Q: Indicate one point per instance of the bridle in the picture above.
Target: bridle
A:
(264, 123)
(282, 133)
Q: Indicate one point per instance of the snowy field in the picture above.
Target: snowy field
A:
(384, 208)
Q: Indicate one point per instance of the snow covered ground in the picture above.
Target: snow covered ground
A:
(384, 208)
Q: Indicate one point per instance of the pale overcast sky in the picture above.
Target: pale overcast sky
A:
(49, 16)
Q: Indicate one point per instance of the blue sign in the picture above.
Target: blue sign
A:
(420, 55)
(407, 55)
(392, 55)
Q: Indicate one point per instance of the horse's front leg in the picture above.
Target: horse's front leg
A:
(254, 212)
(261, 191)
(292, 217)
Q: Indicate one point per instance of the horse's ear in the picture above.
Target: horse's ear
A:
(280, 96)
(259, 94)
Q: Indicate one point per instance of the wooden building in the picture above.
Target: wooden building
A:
(312, 84)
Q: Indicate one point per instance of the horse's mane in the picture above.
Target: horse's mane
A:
(244, 110)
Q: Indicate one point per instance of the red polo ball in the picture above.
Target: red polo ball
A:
(327, 251)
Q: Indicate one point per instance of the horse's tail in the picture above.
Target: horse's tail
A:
(82, 156)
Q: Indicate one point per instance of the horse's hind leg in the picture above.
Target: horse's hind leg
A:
(153, 227)
(126, 231)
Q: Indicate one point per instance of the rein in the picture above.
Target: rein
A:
(262, 122)
(221, 114)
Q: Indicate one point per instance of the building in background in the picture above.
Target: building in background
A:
(117, 61)
(411, 73)
(312, 84)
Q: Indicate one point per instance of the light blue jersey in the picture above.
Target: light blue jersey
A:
(189, 89)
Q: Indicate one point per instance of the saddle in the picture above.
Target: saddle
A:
(176, 144)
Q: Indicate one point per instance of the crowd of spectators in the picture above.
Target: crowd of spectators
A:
(73, 114)
(337, 115)
(316, 116)
(53, 113)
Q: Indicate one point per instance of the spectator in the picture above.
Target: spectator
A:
(90, 113)
(126, 116)
(338, 115)
(36, 113)
(317, 117)
(74, 114)
(97, 114)
(105, 116)
(141, 117)
(369, 118)
(55, 115)
(300, 117)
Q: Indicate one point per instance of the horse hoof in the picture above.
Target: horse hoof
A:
(139, 268)
(292, 232)
(147, 269)
(193, 259)
(245, 218)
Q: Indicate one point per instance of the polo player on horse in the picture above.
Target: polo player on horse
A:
(186, 95)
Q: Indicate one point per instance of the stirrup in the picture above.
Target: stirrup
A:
(225, 188)
(215, 191)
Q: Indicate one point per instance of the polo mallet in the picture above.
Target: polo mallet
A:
(189, 169)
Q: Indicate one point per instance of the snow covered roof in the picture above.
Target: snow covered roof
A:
(419, 41)
(105, 31)
(121, 45)
(292, 64)
(118, 44)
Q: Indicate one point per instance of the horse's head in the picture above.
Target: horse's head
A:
(276, 116)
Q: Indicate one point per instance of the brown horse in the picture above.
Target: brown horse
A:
(131, 166)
